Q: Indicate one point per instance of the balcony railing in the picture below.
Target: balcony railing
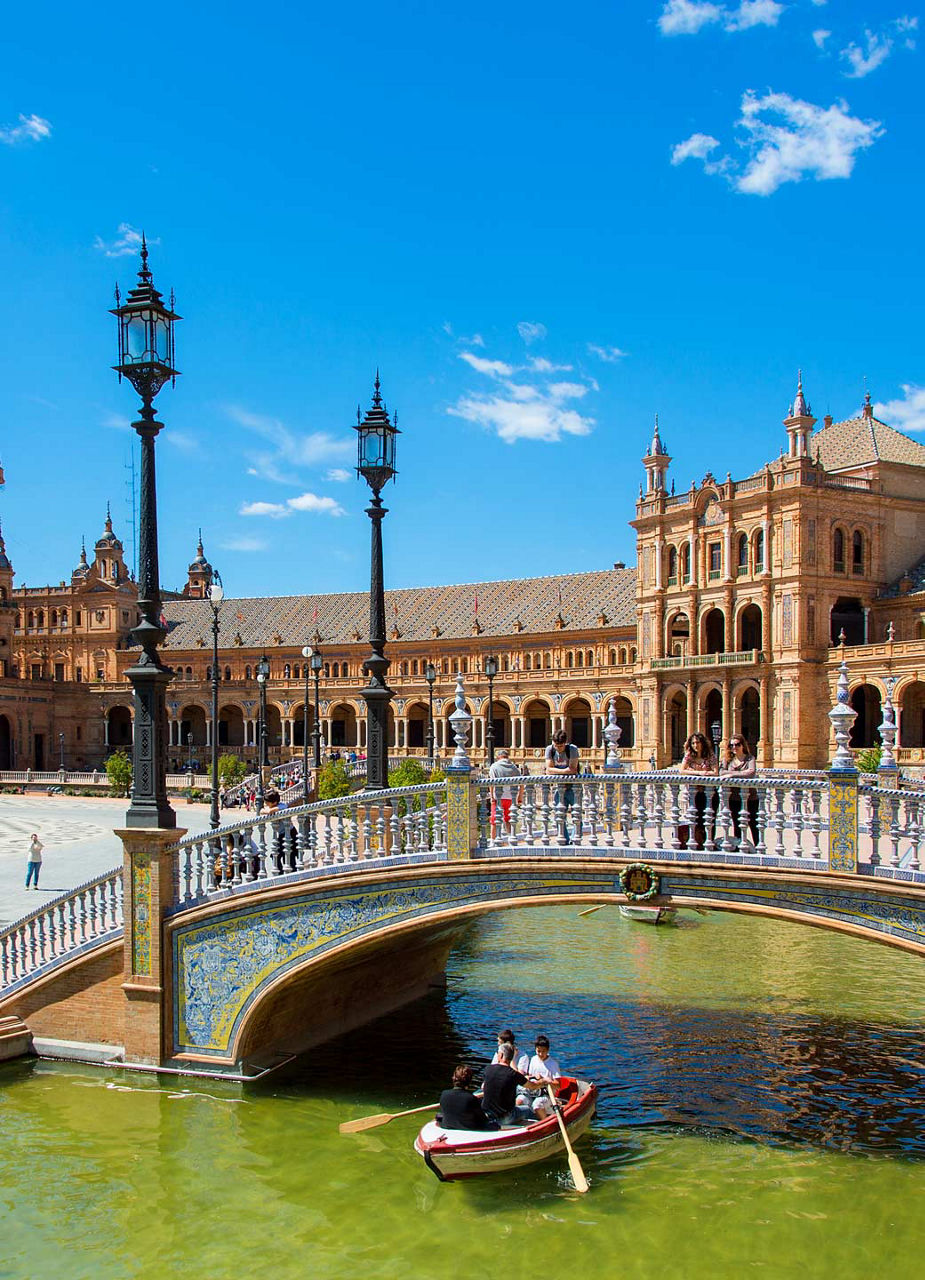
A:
(740, 657)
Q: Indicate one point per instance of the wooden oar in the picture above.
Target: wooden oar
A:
(574, 1164)
(373, 1122)
(590, 911)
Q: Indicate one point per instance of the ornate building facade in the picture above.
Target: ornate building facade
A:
(730, 622)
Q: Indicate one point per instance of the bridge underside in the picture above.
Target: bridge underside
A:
(288, 967)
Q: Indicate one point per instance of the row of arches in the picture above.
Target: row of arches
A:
(35, 618)
(867, 701)
(849, 547)
(678, 720)
(748, 633)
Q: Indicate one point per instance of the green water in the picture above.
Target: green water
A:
(761, 1111)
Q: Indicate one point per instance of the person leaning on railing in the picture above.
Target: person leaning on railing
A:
(741, 763)
(699, 758)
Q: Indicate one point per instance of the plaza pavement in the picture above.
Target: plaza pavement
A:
(77, 833)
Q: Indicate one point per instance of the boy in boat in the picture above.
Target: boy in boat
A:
(459, 1107)
(542, 1070)
(519, 1061)
(499, 1089)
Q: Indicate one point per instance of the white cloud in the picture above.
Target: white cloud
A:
(539, 364)
(785, 140)
(128, 241)
(538, 419)
(29, 129)
(180, 440)
(117, 422)
(278, 510)
(820, 37)
(339, 475)
(531, 331)
(313, 502)
(476, 339)
(494, 368)
(687, 17)
(244, 544)
(907, 414)
(877, 47)
(291, 450)
(610, 355)
(567, 390)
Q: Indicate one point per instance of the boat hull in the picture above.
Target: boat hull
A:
(647, 915)
(453, 1154)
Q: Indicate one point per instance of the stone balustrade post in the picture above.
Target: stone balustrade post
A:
(150, 880)
(843, 783)
(461, 792)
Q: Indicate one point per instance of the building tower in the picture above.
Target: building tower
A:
(656, 464)
(110, 560)
(799, 423)
(199, 575)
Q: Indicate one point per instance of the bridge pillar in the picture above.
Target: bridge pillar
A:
(462, 827)
(843, 820)
(150, 888)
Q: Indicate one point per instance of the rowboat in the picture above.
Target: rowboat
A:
(647, 914)
(466, 1153)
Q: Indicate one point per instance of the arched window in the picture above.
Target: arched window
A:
(742, 554)
(228, 673)
(414, 666)
(40, 618)
(63, 616)
(505, 663)
(622, 657)
(209, 674)
(189, 673)
(287, 671)
(446, 667)
(759, 551)
(857, 552)
(345, 669)
(569, 661)
(632, 655)
(247, 673)
(838, 551)
(465, 666)
(30, 619)
(526, 662)
(327, 671)
(54, 616)
(547, 661)
(686, 562)
(612, 657)
(589, 659)
(455, 666)
(672, 566)
(536, 662)
(404, 668)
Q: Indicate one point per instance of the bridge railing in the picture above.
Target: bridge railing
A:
(75, 921)
(362, 828)
(894, 826)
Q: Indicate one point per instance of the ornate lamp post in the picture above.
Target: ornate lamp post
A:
(263, 675)
(306, 653)
(146, 358)
(317, 663)
(490, 667)
(376, 464)
(61, 752)
(716, 732)
(189, 753)
(216, 596)
(430, 675)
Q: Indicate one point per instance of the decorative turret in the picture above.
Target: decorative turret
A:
(799, 423)
(867, 410)
(6, 572)
(656, 464)
(199, 575)
(83, 569)
(109, 562)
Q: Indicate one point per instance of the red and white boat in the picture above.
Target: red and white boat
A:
(466, 1153)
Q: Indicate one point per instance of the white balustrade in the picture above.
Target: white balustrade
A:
(90, 913)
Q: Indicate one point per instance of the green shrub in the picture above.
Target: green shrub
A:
(333, 780)
(119, 773)
(408, 774)
(868, 761)
(231, 770)
(436, 775)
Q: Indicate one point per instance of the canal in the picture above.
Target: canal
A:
(762, 1112)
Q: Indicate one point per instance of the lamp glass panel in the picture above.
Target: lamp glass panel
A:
(162, 340)
(136, 338)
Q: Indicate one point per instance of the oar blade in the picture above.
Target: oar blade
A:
(590, 911)
(578, 1174)
(365, 1122)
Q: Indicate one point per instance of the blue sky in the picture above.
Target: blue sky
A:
(543, 225)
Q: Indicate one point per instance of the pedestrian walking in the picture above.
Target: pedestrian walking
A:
(34, 864)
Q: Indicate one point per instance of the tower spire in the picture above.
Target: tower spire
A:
(799, 423)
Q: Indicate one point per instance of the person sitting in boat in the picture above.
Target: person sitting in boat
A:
(499, 1089)
(519, 1061)
(542, 1070)
(459, 1107)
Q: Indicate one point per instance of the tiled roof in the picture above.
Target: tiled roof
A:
(858, 441)
(529, 605)
(913, 579)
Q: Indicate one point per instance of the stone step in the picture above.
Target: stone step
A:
(15, 1038)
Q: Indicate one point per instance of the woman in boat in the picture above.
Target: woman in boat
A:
(742, 764)
(459, 1107)
(699, 758)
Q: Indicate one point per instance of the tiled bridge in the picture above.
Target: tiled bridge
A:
(272, 934)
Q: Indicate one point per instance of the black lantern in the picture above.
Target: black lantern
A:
(216, 596)
(146, 358)
(376, 464)
(490, 667)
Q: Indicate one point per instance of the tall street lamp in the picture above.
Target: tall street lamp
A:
(490, 667)
(61, 751)
(430, 675)
(317, 662)
(216, 596)
(263, 675)
(189, 753)
(146, 358)
(376, 464)
(306, 653)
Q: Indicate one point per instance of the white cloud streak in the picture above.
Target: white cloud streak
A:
(610, 355)
(290, 450)
(128, 241)
(785, 140)
(494, 368)
(29, 129)
(906, 414)
(531, 331)
(311, 502)
(820, 37)
(688, 17)
(523, 410)
(877, 46)
(338, 475)
(244, 544)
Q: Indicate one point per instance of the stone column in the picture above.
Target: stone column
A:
(728, 726)
(691, 707)
(150, 889)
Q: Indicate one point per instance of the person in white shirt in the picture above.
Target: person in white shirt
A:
(542, 1070)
